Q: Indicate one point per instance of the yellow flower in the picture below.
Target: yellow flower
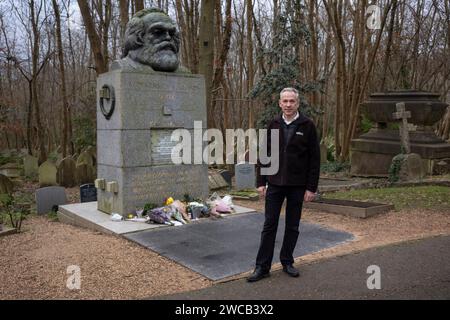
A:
(169, 201)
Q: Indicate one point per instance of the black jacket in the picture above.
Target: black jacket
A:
(299, 159)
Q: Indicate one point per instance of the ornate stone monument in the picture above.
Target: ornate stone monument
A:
(144, 97)
(372, 152)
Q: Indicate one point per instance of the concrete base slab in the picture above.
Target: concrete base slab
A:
(222, 248)
(87, 216)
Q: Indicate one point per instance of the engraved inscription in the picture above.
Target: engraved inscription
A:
(162, 182)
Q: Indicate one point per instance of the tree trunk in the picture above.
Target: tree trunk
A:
(206, 51)
(94, 38)
(63, 78)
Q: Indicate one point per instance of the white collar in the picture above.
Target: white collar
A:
(289, 122)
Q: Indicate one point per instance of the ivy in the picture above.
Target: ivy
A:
(394, 169)
(284, 64)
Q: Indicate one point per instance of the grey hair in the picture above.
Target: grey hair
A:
(290, 89)
(136, 28)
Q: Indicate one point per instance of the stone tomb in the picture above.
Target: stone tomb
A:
(372, 152)
(137, 111)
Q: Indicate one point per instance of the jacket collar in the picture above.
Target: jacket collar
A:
(301, 119)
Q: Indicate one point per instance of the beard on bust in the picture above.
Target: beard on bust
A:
(161, 57)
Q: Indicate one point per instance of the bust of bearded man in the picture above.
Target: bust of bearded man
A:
(152, 42)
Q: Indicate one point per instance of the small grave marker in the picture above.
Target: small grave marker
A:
(48, 198)
(88, 192)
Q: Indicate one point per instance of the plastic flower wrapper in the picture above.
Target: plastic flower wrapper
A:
(177, 216)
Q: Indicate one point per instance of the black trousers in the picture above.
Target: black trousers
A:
(275, 196)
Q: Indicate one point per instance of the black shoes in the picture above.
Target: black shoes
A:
(290, 270)
(258, 274)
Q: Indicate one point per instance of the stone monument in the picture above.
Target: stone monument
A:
(405, 166)
(372, 152)
(141, 101)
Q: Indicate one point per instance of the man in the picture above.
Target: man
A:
(151, 42)
(296, 180)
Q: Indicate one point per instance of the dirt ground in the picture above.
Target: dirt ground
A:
(34, 263)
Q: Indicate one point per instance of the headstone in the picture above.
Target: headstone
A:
(245, 176)
(47, 174)
(30, 166)
(11, 170)
(219, 179)
(6, 185)
(85, 173)
(85, 158)
(67, 173)
(93, 152)
(226, 174)
(48, 198)
(88, 192)
(411, 167)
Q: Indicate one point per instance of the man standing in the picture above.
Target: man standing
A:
(296, 180)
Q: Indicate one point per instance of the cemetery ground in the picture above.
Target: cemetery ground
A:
(34, 263)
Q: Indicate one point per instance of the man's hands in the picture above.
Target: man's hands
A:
(309, 196)
(262, 192)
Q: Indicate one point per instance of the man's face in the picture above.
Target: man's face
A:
(289, 103)
(160, 49)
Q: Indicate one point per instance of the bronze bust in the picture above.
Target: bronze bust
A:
(151, 40)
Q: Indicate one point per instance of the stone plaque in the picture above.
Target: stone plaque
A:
(162, 146)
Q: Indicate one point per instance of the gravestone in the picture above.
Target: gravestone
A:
(48, 198)
(93, 152)
(409, 165)
(11, 170)
(88, 192)
(67, 173)
(47, 174)
(226, 174)
(6, 185)
(85, 158)
(30, 166)
(245, 176)
(85, 173)
(138, 109)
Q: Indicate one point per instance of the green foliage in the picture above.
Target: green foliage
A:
(366, 124)
(14, 208)
(335, 166)
(329, 143)
(149, 206)
(13, 158)
(284, 65)
(84, 133)
(395, 167)
(428, 197)
(52, 215)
